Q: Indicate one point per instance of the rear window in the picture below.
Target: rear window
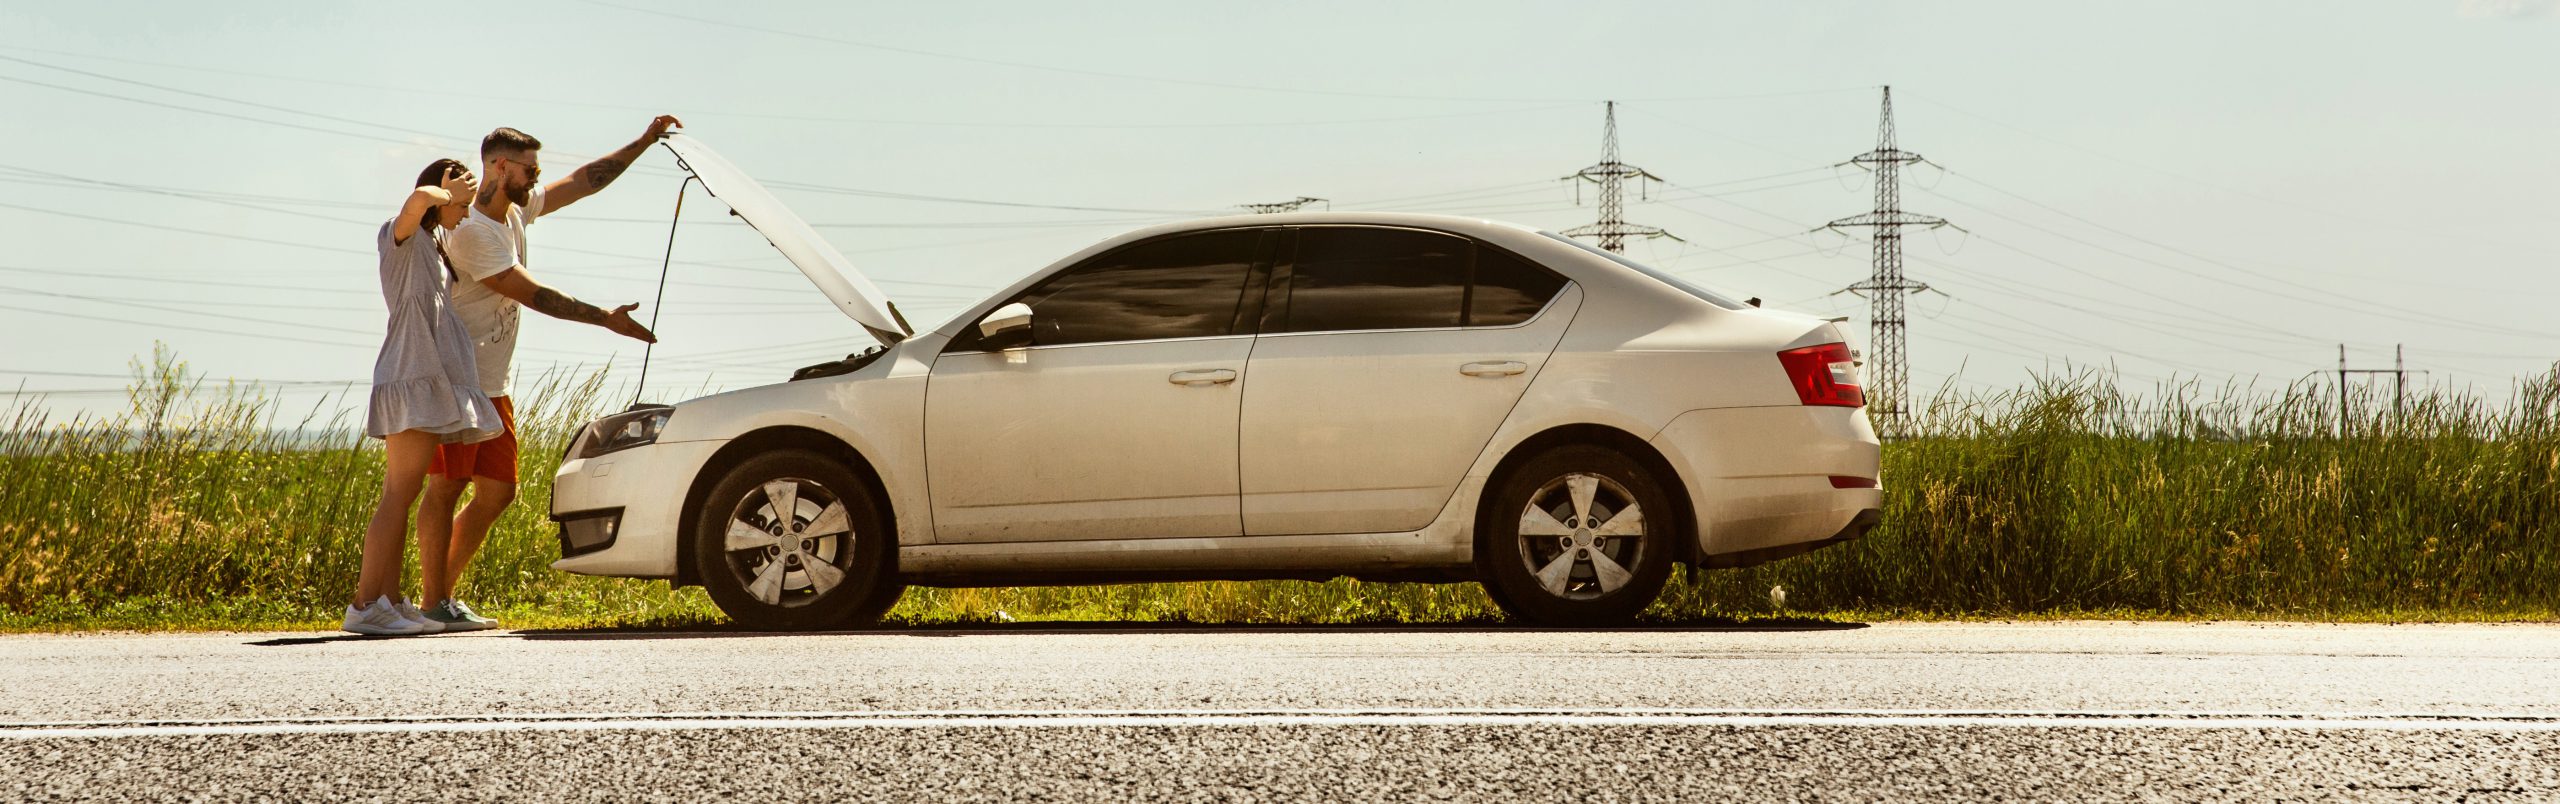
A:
(1683, 285)
(1508, 290)
(1356, 279)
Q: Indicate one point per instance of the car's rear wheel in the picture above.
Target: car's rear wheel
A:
(1579, 536)
(793, 541)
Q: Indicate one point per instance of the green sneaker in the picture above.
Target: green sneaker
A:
(458, 617)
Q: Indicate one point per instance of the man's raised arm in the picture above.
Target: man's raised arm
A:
(586, 180)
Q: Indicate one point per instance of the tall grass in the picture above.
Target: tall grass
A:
(2073, 495)
(202, 506)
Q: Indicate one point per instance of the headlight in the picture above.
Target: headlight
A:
(621, 431)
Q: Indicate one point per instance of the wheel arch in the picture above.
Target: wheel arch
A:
(1684, 510)
(760, 441)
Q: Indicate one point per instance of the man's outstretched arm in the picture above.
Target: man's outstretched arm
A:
(586, 180)
(515, 284)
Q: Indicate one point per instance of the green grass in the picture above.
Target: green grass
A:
(204, 507)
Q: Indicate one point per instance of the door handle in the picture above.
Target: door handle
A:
(1199, 377)
(1494, 368)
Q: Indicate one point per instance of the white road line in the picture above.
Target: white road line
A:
(1399, 718)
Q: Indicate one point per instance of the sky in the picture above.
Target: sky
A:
(2218, 191)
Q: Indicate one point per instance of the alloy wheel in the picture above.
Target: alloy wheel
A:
(1578, 535)
(788, 541)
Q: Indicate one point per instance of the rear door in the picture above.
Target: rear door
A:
(1119, 421)
(1387, 358)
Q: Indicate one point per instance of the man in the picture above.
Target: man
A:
(488, 253)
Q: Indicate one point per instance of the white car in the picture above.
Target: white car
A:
(1383, 396)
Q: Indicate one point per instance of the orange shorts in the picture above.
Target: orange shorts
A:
(494, 459)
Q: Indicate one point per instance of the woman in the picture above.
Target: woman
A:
(426, 388)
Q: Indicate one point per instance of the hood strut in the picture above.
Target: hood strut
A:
(651, 348)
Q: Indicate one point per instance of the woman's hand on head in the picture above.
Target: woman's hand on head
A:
(459, 185)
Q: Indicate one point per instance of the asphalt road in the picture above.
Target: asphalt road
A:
(1892, 711)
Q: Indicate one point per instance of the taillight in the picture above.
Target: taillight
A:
(1824, 375)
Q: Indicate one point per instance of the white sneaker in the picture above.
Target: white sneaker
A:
(379, 619)
(409, 611)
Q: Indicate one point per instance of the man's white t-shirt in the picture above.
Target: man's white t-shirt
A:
(480, 248)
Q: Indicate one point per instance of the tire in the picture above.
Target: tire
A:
(1566, 570)
(832, 565)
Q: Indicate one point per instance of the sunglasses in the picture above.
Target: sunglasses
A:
(530, 168)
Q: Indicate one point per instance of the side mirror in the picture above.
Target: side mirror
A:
(1006, 327)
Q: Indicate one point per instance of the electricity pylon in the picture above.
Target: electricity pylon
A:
(1612, 230)
(1888, 384)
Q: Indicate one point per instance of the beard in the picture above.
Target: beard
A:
(520, 194)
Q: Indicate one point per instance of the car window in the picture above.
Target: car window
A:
(1362, 278)
(1178, 287)
(1508, 290)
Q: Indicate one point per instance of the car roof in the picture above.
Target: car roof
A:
(1456, 224)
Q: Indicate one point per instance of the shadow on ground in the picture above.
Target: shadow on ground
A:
(1117, 627)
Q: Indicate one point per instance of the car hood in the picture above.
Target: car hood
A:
(852, 293)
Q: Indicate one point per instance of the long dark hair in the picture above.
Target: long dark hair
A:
(433, 176)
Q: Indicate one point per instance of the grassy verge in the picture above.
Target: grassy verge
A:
(209, 508)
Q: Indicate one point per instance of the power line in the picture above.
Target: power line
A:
(243, 201)
(184, 281)
(2369, 308)
(129, 99)
(803, 186)
(184, 230)
(209, 96)
(1977, 181)
(1147, 78)
(2207, 184)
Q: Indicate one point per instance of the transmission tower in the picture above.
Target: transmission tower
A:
(1291, 205)
(2399, 372)
(1887, 386)
(1612, 229)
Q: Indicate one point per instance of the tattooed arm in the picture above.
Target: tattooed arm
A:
(515, 284)
(585, 181)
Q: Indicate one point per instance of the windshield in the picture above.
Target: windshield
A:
(1683, 285)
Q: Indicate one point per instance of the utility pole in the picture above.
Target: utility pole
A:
(2399, 372)
(1612, 229)
(1887, 398)
(1291, 205)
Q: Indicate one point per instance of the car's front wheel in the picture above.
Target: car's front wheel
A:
(793, 541)
(1579, 536)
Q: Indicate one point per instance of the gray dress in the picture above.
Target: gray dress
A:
(426, 378)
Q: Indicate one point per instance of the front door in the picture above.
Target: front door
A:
(1119, 420)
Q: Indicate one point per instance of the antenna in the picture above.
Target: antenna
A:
(1612, 229)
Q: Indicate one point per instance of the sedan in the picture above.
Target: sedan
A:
(1289, 396)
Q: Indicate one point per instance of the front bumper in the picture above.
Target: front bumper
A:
(1761, 478)
(642, 490)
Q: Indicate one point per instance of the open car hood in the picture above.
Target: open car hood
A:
(852, 293)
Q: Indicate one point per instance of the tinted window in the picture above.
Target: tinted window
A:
(1376, 279)
(1508, 289)
(1183, 287)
